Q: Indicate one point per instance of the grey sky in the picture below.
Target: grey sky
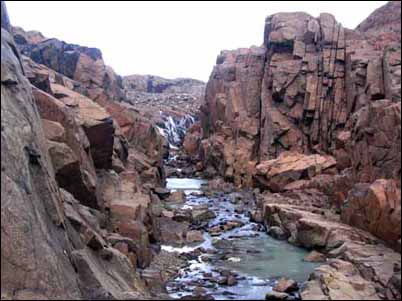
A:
(170, 39)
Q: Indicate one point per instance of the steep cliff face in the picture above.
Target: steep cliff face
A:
(35, 248)
(313, 89)
(299, 91)
(76, 210)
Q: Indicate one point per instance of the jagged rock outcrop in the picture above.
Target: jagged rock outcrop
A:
(316, 90)
(68, 169)
(77, 176)
(377, 209)
(298, 92)
(34, 244)
(82, 64)
(52, 246)
(374, 145)
(347, 274)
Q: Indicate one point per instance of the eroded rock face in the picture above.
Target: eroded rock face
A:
(232, 110)
(79, 178)
(377, 209)
(34, 245)
(82, 64)
(300, 91)
(375, 144)
(73, 180)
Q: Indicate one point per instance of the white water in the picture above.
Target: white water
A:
(174, 129)
(260, 270)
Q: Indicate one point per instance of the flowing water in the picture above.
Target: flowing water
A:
(256, 260)
(174, 128)
(244, 251)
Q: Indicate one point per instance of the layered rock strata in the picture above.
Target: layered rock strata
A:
(317, 106)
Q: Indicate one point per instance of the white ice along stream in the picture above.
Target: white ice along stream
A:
(174, 128)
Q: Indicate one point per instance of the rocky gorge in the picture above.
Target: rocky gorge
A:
(279, 179)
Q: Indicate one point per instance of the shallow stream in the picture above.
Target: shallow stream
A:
(254, 259)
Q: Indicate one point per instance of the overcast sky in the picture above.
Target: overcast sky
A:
(170, 39)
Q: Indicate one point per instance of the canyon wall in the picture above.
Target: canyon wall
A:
(316, 106)
(79, 173)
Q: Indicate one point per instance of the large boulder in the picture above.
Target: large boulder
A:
(129, 211)
(339, 280)
(64, 131)
(290, 167)
(375, 208)
(97, 123)
(351, 275)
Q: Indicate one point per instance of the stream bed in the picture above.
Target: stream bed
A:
(241, 262)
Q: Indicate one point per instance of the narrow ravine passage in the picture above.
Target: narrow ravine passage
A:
(236, 259)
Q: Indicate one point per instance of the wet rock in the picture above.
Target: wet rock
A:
(215, 231)
(274, 296)
(278, 233)
(182, 216)
(256, 216)
(286, 286)
(194, 236)
(163, 193)
(315, 256)
(230, 225)
(172, 232)
(231, 281)
(177, 197)
(336, 281)
(203, 297)
(202, 214)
